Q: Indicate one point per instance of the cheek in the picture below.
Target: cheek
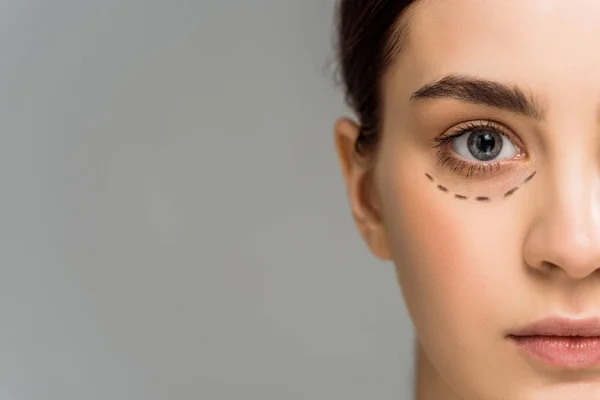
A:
(455, 259)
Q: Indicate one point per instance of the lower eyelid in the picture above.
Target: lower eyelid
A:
(470, 169)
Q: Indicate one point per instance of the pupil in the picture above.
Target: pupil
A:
(485, 142)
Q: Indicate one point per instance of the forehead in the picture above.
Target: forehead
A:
(529, 42)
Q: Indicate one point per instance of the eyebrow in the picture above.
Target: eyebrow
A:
(482, 91)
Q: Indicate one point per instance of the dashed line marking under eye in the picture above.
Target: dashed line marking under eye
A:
(480, 198)
(511, 191)
(530, 177)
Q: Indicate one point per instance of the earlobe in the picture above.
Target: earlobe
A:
(358, 174)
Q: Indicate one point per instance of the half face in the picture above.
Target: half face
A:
(487, 187)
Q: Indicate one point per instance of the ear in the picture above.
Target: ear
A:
(359, 177)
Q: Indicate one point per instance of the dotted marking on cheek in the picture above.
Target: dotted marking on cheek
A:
(480, 198)
(530, 177)
(511, 191)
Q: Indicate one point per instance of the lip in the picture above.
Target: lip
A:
(557, 326)
(561, 342)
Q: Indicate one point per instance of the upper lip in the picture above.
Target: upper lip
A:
(558, 326)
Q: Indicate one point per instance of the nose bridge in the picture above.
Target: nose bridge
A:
(567, 232)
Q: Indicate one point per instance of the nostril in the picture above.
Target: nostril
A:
(544, 268)
(549, 266)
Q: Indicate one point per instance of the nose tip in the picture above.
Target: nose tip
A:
(577, 258)
(567, 244)
(564, 236)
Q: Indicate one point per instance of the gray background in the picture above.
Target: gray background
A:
(174, 224)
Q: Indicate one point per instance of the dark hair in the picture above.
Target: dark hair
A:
(370, 34)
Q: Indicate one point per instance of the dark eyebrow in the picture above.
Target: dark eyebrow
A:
(482, 91)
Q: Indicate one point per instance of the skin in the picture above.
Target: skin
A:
(471, 271)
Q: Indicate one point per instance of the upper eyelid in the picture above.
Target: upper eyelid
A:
(482, 123)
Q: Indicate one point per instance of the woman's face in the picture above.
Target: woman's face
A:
(499, 225)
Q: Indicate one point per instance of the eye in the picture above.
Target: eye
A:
(484, 144)
(479, 148)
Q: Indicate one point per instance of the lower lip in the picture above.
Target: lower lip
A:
(561, 351)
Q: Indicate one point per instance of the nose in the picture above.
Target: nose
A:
(566, 234)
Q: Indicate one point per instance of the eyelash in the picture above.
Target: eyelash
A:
(462, 167)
